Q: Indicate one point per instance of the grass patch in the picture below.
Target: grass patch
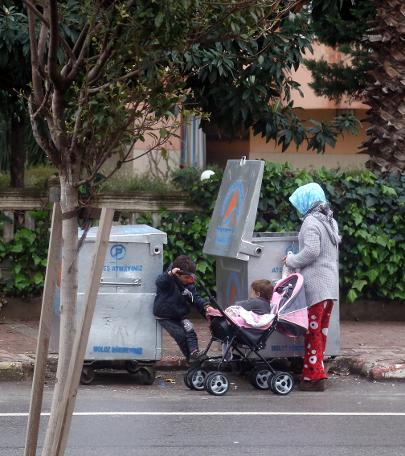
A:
(136, 184)
(4, 180)
(35, 177)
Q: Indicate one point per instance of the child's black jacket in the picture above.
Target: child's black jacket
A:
(173, 299)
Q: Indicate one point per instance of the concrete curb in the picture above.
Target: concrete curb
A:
(15, 370)
(380, 372)
(346, 365)
(373, 370)
(18, 370)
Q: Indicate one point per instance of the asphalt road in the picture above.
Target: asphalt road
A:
(115, 417)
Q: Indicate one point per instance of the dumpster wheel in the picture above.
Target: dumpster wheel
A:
(87, 376)
(145, 375)
(132, 366)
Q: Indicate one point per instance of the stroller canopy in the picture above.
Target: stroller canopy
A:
(290, 305)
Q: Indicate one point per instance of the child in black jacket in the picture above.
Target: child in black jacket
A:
(175, 294)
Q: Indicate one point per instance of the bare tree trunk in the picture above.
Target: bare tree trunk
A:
(18, 154)
(69, 204)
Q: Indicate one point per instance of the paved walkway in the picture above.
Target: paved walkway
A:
(373, 349)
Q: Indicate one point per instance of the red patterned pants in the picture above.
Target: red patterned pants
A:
(315, 340)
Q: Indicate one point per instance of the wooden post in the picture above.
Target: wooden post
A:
(55, 245)
(133, 218)
(156, 219)
(67, 403)
(29, 222)
(8, 227)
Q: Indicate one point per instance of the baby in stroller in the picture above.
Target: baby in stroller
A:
(248, 311)
(243, 329)
(261, 292)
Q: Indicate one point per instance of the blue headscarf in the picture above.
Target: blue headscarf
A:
(305, 197)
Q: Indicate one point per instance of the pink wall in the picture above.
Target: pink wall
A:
(346, 144)
(304, 77)
(345, 153)
(173, 143)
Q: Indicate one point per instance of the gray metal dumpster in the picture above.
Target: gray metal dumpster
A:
(243, 256)
(123, 327)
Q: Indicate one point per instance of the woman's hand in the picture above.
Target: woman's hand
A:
(285, 257)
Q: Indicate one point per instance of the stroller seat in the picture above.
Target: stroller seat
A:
(255, 321)
(223, 329)
(250, 336)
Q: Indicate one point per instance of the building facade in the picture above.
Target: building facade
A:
(192, 147)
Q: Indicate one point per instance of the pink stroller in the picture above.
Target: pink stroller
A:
(241, 337)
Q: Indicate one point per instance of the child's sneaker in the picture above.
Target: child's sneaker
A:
(197, 355)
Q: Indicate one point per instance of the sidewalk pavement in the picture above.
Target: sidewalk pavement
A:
(374, 349)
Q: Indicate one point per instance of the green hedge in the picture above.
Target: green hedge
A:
(369, 210)
(26, 258)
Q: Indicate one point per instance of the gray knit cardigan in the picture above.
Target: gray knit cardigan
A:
(317, 259)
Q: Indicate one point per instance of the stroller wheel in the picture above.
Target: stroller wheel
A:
(186, 380)
(281, 383)
(195, 378)
(260, 378)
(217, 383)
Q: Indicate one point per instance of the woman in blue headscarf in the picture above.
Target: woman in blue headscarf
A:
(317, 261)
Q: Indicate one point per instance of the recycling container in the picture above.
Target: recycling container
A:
(123, 327)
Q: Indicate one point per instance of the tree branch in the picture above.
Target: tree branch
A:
(107, 52)
(36, 78)
(80, 40)
(76, 49)
(155, 146)
(57, 79)
(111, 145)
(42, 48)
(78, 122)
(47, 147)
(94, 73)
(86, 38)
(31, 7)
(107, 84)
(41, 107)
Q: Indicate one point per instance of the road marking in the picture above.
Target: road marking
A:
(7, 415)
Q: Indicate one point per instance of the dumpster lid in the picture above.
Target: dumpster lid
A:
(274, 236)
(130, 233)
(232, 223)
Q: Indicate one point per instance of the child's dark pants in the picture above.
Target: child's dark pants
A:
(185, 339)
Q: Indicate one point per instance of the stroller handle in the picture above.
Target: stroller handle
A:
(211, 298)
